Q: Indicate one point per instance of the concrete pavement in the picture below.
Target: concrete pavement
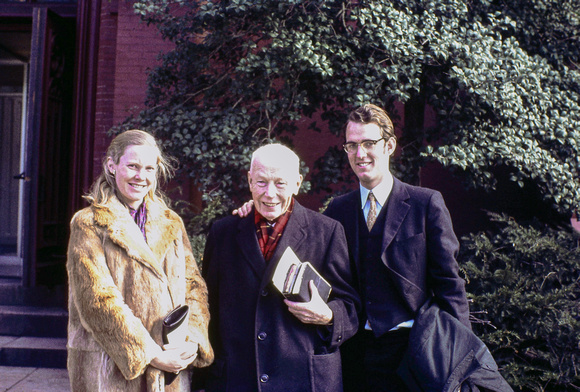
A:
(29, 379)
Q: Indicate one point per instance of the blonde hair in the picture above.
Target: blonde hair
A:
(105, 187)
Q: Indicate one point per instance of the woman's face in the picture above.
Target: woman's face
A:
(135, 174)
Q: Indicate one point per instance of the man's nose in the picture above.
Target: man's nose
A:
(271, 189)
(360, 151)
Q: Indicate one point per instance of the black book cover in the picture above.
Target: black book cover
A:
(174, 331)
(292, 276)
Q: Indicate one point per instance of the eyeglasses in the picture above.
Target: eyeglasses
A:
(352, 148)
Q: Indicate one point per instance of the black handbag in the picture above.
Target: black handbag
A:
(174, 331)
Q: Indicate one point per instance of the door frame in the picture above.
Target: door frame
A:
(32, 146)
(39, 17)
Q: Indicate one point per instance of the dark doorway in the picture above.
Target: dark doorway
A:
(14, 58)
(48, 156)
(39, 131)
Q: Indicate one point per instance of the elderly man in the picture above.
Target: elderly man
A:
(262, 341)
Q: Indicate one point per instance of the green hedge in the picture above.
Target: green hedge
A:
(524, 281)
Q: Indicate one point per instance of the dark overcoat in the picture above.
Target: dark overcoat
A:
(445, 356)
(259, 344)
(419, 247)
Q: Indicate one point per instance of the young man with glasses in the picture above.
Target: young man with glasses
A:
(403, 251)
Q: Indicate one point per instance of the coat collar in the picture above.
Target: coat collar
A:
(352, 214)
(114, 217)
(248, 243)
(397, 209)
(293, 235)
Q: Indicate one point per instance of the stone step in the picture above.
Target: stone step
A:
(27, 351)
(12, 292)
(33, 321)
(10, 267)
(29, 379)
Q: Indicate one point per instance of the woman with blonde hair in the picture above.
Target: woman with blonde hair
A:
(129, 264)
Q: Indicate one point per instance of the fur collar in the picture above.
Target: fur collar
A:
(162, 228)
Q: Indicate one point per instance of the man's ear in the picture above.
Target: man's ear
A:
(391, 145)
(249, 179)
(300, 178)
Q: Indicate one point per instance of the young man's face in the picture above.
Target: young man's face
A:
(372, 165)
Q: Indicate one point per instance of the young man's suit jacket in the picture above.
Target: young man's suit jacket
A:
(259, 344)
(419, 246)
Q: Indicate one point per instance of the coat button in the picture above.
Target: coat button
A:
(264, 378)
(262, 336)
(264, 293)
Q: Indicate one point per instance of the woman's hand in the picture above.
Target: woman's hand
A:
(175, 358)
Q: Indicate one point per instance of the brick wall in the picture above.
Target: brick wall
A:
(127, 49)
(138, 47)
(105, 80)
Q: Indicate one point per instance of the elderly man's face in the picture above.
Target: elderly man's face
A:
(272, 185)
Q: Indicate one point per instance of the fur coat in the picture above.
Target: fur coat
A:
(120, 288)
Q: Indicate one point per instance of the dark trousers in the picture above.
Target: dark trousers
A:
(370, 364)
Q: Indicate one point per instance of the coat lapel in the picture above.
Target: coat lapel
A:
(294, 233)
(162, 229)
(293, 236)
(397, 209)
(248, 243)
(352, 222)
(124, 232)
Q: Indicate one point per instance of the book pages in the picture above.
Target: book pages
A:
(285, 264)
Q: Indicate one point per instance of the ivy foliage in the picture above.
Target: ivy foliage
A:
(525, 281)
(502, 77)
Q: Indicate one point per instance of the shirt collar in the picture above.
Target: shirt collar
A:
(381, 191)
(258, 218)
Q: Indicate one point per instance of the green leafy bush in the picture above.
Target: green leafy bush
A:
(524, 280)
(501, 77)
